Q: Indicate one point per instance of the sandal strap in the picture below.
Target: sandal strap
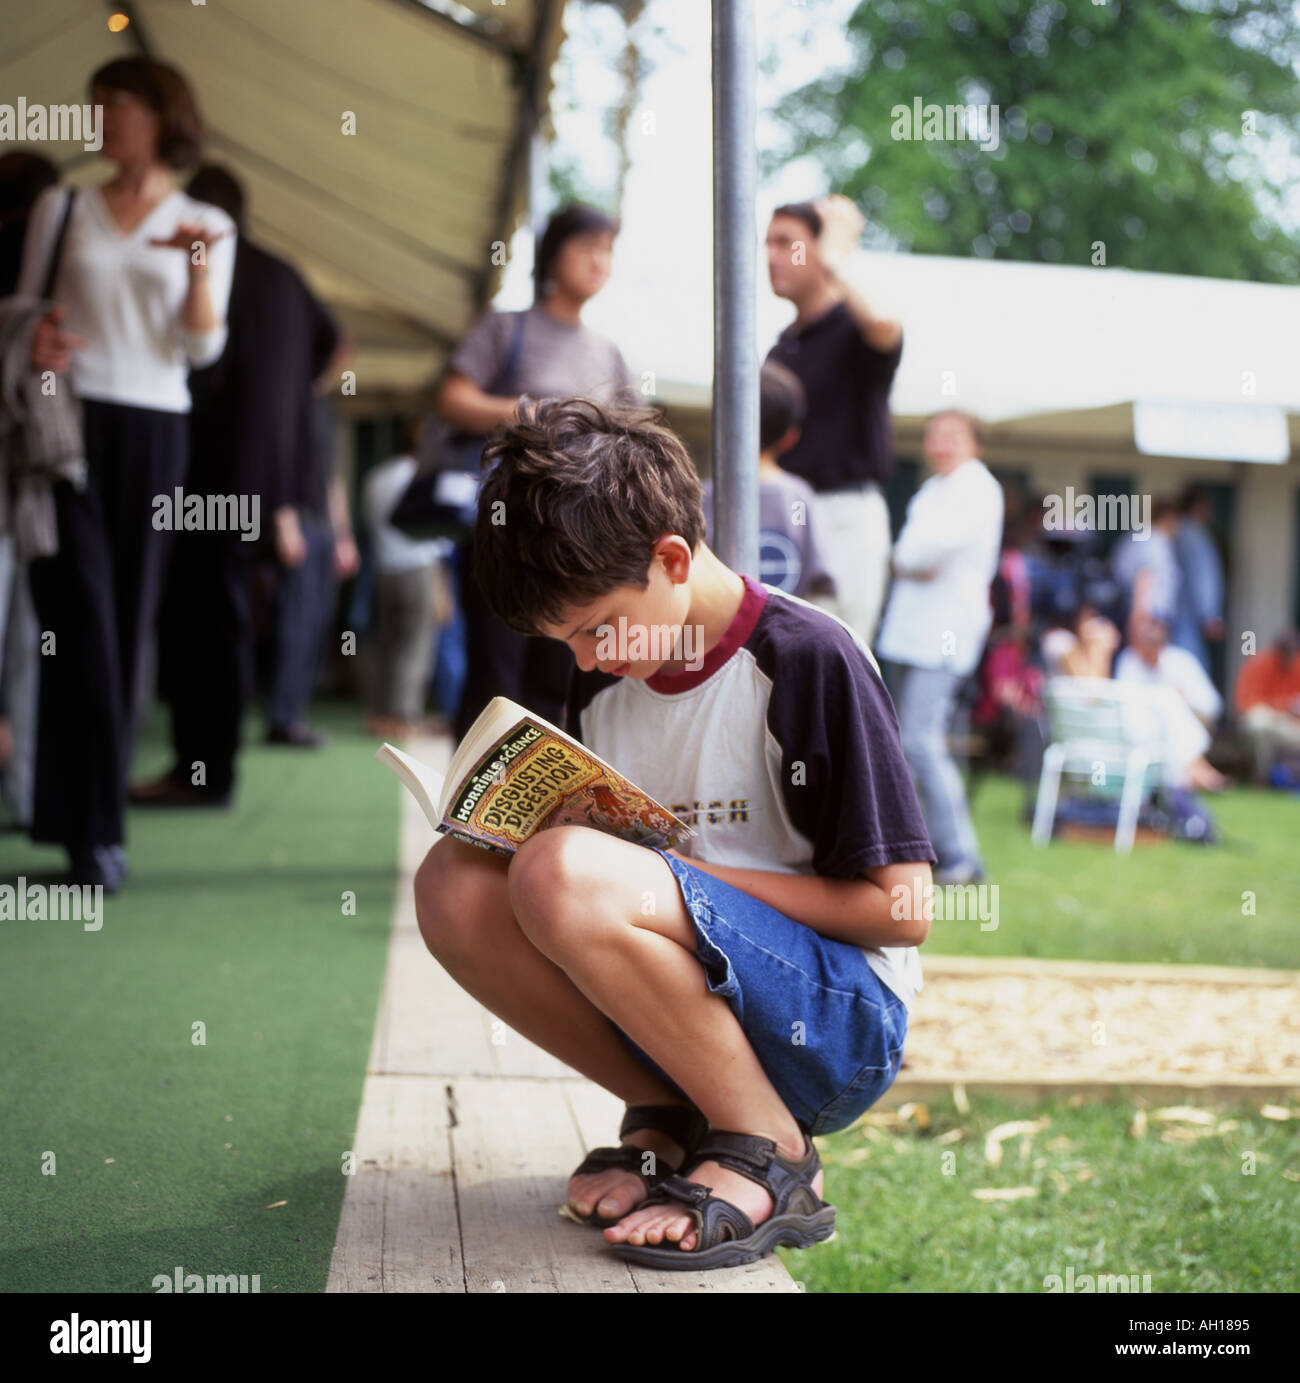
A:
(716, 1220)
(626, 1158)
(787, 1181)
(684, 1124)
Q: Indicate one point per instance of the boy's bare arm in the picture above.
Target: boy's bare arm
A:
(886, 906)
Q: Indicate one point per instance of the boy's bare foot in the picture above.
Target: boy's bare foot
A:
(659, 1223)
(613, 1194)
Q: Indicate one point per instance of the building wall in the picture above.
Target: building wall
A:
(1262, 542)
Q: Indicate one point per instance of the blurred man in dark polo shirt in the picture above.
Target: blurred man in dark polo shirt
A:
(845, 349)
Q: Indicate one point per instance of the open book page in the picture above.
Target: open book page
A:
(423, 783)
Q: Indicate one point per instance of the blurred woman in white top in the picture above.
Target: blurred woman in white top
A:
(936, 624)
(140, 295)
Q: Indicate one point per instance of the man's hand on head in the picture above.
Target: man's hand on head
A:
(842, 227)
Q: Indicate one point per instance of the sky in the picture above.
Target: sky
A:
(658, 304)
(663, 261)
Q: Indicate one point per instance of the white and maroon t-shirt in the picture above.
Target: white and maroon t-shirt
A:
(782, 751)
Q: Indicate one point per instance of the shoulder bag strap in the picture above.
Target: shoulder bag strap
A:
(506, 376)
(56, 255)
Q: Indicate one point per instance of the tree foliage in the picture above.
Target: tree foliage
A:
(1152, 126)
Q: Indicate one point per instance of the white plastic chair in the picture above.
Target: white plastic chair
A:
(1096, 722)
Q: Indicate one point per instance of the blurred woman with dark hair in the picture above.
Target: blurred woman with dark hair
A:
(140, 293)
(544, 352)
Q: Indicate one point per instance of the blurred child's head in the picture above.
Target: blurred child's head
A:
(782, 404)
(592, 512)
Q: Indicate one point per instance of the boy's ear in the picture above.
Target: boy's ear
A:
(790, 439)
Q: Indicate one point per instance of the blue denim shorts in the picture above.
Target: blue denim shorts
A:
(826, 1030)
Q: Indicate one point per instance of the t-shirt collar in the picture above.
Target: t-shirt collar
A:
(738, 631)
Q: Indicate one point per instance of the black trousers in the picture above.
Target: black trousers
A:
(205, 649)
(535, 672)
(96, 601)
(304, 609)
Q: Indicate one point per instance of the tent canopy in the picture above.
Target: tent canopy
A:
(1041, 351)
(393, 224)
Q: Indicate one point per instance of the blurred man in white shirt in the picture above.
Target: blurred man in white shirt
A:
(936, 622)
(1180, 722)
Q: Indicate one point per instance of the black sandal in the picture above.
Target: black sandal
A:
(727, 1236)
(684, 1124)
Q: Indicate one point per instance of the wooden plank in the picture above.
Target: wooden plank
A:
(515, 1145)
(398, 1231)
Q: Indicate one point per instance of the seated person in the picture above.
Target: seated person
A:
(1151, 661)
(1267, 700)
(1082, 645)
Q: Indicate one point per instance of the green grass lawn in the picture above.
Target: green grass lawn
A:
(167, 1153)
(1170, 901)
(1186, 1214)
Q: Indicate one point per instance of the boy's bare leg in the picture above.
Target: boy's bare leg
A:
(466, 919)
(610, 914)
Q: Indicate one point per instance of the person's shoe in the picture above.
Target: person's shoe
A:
(726, 1237)
(299, 736)
(171, 790)
(99, 866)
(684, 1124)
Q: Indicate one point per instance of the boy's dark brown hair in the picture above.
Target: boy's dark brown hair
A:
(782, 403)
(581, 492)
(162, 88)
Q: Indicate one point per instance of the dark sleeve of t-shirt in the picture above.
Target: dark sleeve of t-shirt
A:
(879, 365)
(845, 781)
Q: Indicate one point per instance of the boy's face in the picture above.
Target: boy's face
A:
(632, 632)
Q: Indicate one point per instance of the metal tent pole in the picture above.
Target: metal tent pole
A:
(735, 357)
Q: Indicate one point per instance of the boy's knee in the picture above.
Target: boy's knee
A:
(555, 869)
(443, 895)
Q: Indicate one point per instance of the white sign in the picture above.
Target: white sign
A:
(1212, 431)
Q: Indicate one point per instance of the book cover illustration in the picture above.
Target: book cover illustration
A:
(530, 780)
